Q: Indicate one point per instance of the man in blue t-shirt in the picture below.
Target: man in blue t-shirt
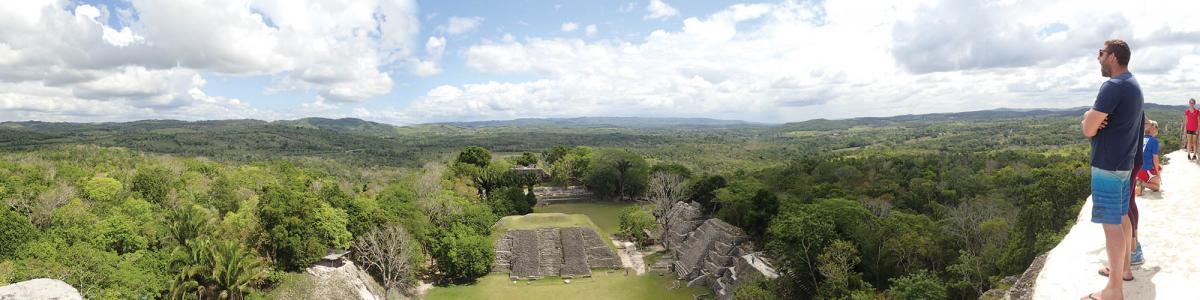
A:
(1114, 123)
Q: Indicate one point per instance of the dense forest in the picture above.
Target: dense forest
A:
(911, 207)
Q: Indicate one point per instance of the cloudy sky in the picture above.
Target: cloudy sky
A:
(405, 62)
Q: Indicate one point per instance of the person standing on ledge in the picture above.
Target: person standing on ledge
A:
(1114, 124)
(1191, 121)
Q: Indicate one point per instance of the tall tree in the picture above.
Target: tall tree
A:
(40, 209)
(664, 190)
(15, 230)
(388, 252)
(527, 159)
(234, 269)
(185, 224)
(554, 154)
(704, 192)
(475, 155)
(154, 183)
(618, 173)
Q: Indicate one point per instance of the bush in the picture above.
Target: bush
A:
(15, 230)
(301, 227)
(918, 286)
(475, 155)
(464, 255)
(635, 221)
(102, 189)
(527, 159)
(153, 183)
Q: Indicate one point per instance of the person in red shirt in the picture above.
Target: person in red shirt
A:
(1191, 120)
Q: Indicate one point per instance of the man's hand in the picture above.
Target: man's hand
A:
(1093, 121)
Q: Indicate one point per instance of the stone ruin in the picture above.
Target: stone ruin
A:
(711, 252)
(567, 252)
(548, 195)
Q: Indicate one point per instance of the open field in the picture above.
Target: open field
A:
(605, 215)
(602, 285)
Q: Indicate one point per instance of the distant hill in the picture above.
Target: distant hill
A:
(993, 114)
(606, 122)
(373, 143)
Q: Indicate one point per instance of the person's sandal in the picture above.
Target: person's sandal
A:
(1105, 274)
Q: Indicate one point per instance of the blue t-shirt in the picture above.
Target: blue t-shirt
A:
(1115, 147)
(1149, 152)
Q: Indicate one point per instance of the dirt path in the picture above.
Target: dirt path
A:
(1168, 231)
(630, 257)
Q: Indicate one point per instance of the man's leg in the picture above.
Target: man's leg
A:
(1111, 192)
(1116, 247)
(1127, 234)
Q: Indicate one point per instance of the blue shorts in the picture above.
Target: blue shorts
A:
(1110, 195)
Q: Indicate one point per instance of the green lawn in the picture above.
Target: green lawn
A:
(602, 285)
(606, 215)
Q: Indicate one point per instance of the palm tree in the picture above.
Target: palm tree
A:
(194, 262)
(186, 224)
(234, 269)
(220, 270)
(622, 166)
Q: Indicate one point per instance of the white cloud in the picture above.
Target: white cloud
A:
(628, 7)
(657, 9)
(435, 47)
(133, 94)
(569, 26)
(154, 62)
(460, 25)
(786, 61)
(796, 61)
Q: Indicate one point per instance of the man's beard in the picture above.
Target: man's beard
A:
(1104, 71)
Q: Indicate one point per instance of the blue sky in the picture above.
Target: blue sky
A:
(404, 62)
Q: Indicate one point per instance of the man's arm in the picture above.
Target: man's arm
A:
(1093, 120)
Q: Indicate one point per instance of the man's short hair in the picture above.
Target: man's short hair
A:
(1120, 49)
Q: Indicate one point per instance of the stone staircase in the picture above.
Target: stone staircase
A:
(568, 252)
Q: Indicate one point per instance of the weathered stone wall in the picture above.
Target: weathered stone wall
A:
(567, 252)
(574, 254)
(707, 252)
(526, 261)
(747, 266)
(679, 222)
(599, 255)
(503, 254)
(550, 252)
(710, 252)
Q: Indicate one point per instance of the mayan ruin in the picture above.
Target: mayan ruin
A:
(711, 252)
(568, 252)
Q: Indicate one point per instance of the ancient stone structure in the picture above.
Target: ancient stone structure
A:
(679, 222)
(548, 195)
(566, 252)
(711, 252)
